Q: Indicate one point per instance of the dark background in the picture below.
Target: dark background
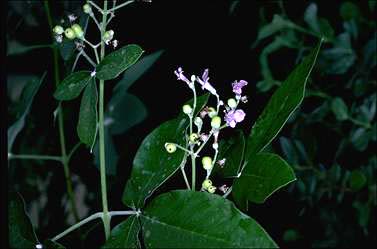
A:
(195, 35)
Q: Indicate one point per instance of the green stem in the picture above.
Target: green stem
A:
(119, 6)
(36, 157)
(193, 156)
(61, 120)
(106, 217)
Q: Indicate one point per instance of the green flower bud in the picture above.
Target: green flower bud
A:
(194, 138)
(87, 9)
(187, 109)
(207, 162)
(198, 121)
(78, 31)
(58, 30)
(171, 148)
(211, 189)
(206, 184)
(232, 103)
(216, 122)
(108, 36)
(69, 33)
(211, 112)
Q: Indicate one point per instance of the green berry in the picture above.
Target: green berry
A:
(58, 30)
(206, 184)
(207, 162)
(78, 31)
(87, 9)
(194, 138)
(211, 189)
(232, 103)
(216, 122)
(211, 112)
(187, 109)
(171, 148)
(70, 34)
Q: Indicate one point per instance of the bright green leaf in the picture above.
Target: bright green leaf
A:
(124, 235)
(21, 231)
(263, 175)
(87, 124)
(27, 97)
(153, 165)
(232, 150)
(188, 219)
(339, 108)
(357, 180)
(72, 85)
(281, 105)
(118, 61)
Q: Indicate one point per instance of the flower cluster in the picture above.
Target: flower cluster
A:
(232, 116)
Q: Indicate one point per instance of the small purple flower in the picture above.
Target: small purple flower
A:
(237, 86)
(205, 84)
(181, 76)
(234, 116)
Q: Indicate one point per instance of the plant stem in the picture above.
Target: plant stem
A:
(36, 157)
(61, 120)
(105, 217)
(193, 156)
(119, 6)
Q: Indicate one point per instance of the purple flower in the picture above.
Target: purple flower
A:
(234, 116)
(237, 86)
(205, 84)
(181, 76)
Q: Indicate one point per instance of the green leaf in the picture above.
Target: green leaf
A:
(278, 23)
(357, 180)
(153, 165)
(118, 61)
(360, 138)
(310, 17)
(282, 104)
(201, 102)
(87, 124)
(49, 244)
(21, 231)
(232, 150)
(263, 175)
(124, 113)
(349, 10)
(188, 219)
(124, 235)
(339, 108)
(72, 85)
(27, 97)
(289, 150)
(111, 153)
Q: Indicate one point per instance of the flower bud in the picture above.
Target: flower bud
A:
(69, 33)
(211, 189)
(194, 138)
(187, 109)
(232, 103)
(58, 30)
(216, 122)
(198, 121)
(207, 162)
(87, 9)
(78, 31)
(171, 148)
(206, 184)
(108, 36)
(211, 112)
(215, 146)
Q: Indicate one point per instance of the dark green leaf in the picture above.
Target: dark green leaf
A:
(291, 235)
(153, 165)
(263, 175)
(66, 49)
(282, 104)
(349, 10)
(124, 235)
(118, 61)
(27, 97)
(15, 48)
(111, 153)
(201, 101)
(278, 23)
(289, 150)
(360, 138)
(357, 180)
(188, 219)
(232, 150)
(87, 124)
(125, 113)
(72, 85)
(339, 108)
(21, 231)
(49, 244)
